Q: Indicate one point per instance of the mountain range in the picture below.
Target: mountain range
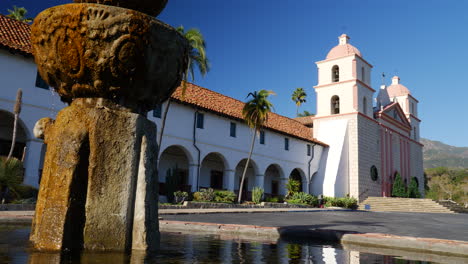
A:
(438, 154)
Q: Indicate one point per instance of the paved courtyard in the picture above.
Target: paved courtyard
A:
(429, 225)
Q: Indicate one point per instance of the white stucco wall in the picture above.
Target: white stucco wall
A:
(215, 138)
(17, 71)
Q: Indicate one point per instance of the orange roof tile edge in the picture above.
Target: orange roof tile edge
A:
(14, 36)
(227, 106)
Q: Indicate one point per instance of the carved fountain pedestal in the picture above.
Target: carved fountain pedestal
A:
(111, 65)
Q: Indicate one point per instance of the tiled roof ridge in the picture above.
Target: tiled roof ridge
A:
(275, 121)
(271, 113)
(17, 21)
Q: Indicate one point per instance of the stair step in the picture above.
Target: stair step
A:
(404, 205)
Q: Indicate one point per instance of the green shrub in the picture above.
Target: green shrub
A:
(303, 198)
(11, 176)
(276, 199)
(224, 196)
(346, 202)
(180, 197)
(398, 189)
(413, 191)
(257, 195)
(292, 186)
(350, 202)
(204, 195)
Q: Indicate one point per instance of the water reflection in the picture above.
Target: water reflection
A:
(196, 248)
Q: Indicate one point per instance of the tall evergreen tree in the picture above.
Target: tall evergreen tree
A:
(398, 189)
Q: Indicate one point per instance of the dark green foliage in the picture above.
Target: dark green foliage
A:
(180, 197)
(303, 198)
(257, 195)
(224, 196)
(11, 177)
(204, 195)
(172, 181)
(292, 186)
(398, 189)
(346, 202)
(276, 199)
(447, 184)
(413, 191)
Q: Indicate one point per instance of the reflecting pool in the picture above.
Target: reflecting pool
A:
(199, 248)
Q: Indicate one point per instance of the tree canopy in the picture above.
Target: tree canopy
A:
(19, 13)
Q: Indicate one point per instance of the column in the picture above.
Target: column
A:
(193, 177)
(229, 180)
(282, 187)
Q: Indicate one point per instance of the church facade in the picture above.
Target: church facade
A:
(370, 141)
(352, 146)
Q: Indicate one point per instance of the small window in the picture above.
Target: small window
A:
(200, 120)
(40, 83)
(262, 137)
(157, 111)
(335, 73)
(308, 150)
(412, 108)
(232, 132)
(415, 134)
(364, 105)
(335, 105)
(363, 74)
(286, 143)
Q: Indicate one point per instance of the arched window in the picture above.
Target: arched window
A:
(335, 74)
(364, 105)
(335, 105)
(415, 134)
(363, 74)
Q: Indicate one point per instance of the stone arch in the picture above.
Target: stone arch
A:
(299, 175)
(176, 159)
(273, 175)
(249, 182)
(6, 132)
(212, 170)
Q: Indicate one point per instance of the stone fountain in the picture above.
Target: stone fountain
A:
(112, 62)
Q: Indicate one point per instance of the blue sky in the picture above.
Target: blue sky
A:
(273, 45)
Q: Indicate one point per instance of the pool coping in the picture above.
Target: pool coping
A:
(265, 233)
(420, 244)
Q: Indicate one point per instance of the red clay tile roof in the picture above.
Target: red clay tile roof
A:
(305, 120)
(229, 107)
(14, 35)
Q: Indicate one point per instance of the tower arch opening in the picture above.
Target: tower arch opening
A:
(335, 73)
(335, 105)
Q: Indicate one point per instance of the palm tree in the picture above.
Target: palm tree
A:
(197, 58)
(16, 112)
(255, 113)
(305, 113)
(19, 13)
(299, 97)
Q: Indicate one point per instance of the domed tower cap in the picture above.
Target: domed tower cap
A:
(343, 49)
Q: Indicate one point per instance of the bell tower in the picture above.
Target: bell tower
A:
(344, 82)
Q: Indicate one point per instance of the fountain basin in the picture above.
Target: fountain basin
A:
(93, 50)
